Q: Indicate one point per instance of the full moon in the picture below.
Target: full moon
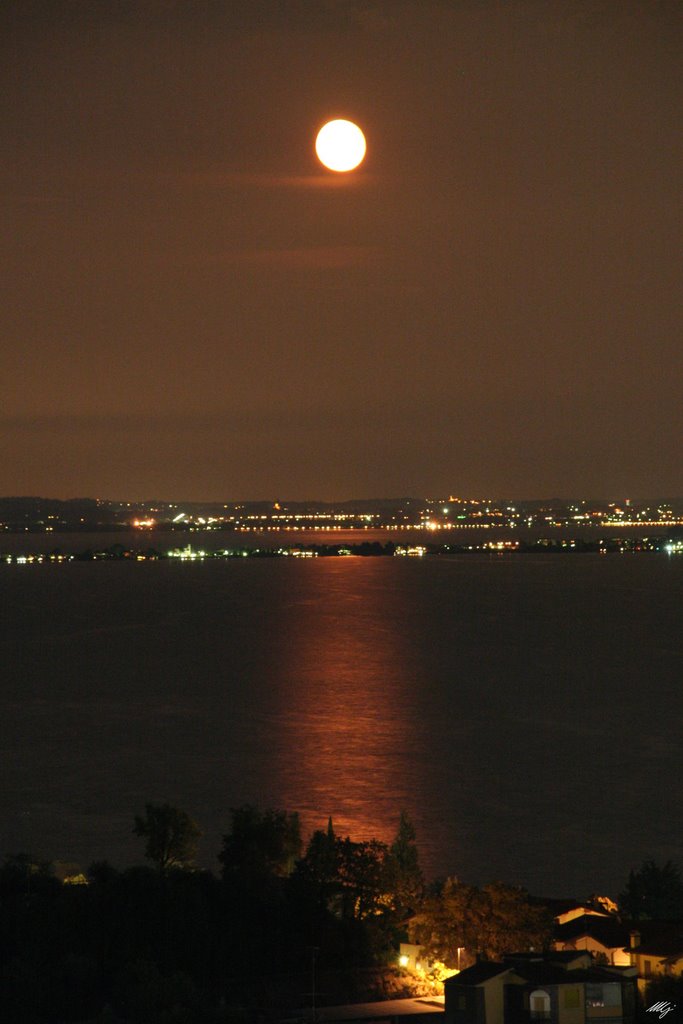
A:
(340, 145)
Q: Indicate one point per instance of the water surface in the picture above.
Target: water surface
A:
(526, 710)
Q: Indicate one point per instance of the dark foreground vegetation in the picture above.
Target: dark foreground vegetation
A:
(167, 943)
(279, 930)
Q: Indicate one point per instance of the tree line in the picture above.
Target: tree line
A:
(280, 926)
(168, 942)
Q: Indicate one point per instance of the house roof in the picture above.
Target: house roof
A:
(668, 949)
(388, 1010)
(479, 973)
(658, 938)
(556, 906)
(559, 956)
(535, 969)
(609, 931)
(565, 956)
(563, 906)
(550, 974)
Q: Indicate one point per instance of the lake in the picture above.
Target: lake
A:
(525, 709)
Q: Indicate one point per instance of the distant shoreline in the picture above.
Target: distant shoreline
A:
(194, 550)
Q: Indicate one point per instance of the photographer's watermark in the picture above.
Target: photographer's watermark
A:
(661, 1008)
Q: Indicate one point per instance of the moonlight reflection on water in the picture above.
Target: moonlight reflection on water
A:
(348, 701)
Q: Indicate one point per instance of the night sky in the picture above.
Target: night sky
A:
(194, 308)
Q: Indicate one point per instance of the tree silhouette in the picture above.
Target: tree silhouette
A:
(353, 880)
(364, 878)
(407, 881)
(260, 844)
(319, 868)
(653, 892)
(172, 836)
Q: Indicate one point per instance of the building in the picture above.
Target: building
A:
(411, 956)
(605, 937)
(656, 950)
(554, 988)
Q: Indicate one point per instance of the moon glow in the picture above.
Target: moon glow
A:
(340, 145)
